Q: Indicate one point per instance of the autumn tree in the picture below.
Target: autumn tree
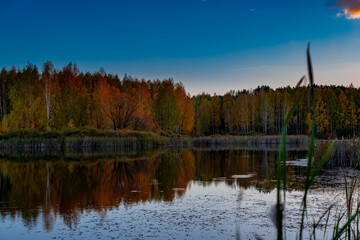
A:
(266, 110)
(145, 109)
(215, 114)
(203, 116)
(332, 102)
(353, 115)
(102, 102)
(74, 100)
(4, 92)
(228, 102)
(49, 82)
(321, 115)
(68, 99)
(26, 100)
(240, 114)
(254, 113)
(185, 110)
(119, 107)
(344, 114)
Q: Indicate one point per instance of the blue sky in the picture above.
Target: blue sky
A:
(209, 45)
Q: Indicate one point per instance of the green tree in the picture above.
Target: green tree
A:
(203, 116)
(166, 109)
(26, 100)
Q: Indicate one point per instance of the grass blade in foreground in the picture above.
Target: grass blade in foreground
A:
(312, 170)
(312, 141)
(281, 163)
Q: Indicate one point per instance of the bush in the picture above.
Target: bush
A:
(170, 132)
(162, 133)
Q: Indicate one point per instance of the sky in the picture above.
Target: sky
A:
(210, 46)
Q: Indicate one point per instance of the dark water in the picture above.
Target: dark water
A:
(193, 194)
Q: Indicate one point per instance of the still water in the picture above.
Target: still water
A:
(188, 194)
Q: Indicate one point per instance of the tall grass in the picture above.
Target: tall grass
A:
(87, 137)
(314, 165)
(79, 138)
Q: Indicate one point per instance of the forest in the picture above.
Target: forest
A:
(67, 99)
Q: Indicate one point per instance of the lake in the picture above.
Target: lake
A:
(166, 194)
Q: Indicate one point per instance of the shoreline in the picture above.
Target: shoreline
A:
(18, 144)
(128, 139)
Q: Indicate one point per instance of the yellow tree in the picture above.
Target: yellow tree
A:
(322, 115)
(4, 92)
(203, 116)
(254, 110)
(26, 100)
(49, 82)
(266, 110)
(332, 103)
(74, 100)
(226, 111)
(286, 102)
(244, 112)
(240, 114)
(344, 119)
(215, 113)
(353, 114)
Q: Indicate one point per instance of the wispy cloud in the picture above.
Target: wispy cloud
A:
(350, 9)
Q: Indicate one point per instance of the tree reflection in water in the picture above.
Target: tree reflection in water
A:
(62, 188)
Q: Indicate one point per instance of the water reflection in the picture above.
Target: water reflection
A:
(66, 189)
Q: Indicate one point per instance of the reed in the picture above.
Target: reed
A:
(78, 139)
(315, 163)
(86, 137)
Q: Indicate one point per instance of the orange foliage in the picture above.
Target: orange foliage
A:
(185, 109)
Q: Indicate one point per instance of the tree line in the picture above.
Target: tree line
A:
(69, 99)
(262, 110)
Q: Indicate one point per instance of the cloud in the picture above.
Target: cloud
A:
(348, 8)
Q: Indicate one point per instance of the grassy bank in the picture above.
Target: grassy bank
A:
(88, 155)
(78, 139)
(344, 153)
(86, 138)
(260, 142)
